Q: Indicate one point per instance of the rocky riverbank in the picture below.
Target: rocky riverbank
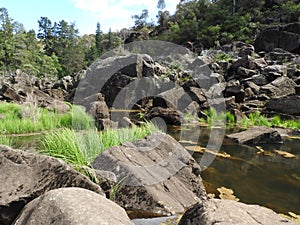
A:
(236, 77)
(161, 182)
(154, 176)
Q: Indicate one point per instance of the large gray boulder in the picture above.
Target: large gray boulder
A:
(169, 116)
(228, 212)
(280, 87)
(25, 176)
(72, 206)
(256, 135)
(157, 175)
(289, 105)
(111, 75)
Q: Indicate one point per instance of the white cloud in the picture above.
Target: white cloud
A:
(116, 14)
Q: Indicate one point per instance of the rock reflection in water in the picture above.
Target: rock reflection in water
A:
(269, 179)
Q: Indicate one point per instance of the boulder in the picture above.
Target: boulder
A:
(245, 73)
(197, 95)
(256, 135)
(289, 105)
(175, 98)
(57, 106)
(280, 87)
(157, 176)
(27, 176)
(66, 83)
(112, 74)
(246, 50)
(228, 212)
(259, 79)
(10, 94)
(280, 56)
(274, 71)
(246, 62)
(285, 36)
(237, 91)
(260, 63)
(72, 206)
(255, 88)
(170, 116)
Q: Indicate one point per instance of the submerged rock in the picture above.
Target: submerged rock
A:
(25, 176)
(227, 212)
(72, 206)
(257, 135)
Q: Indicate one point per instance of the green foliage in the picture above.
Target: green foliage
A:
(253, 119)
(257, 119)
(28, 118)
(58, 50)
(221, 57)
(141, 21)
(8, 141)
(210, 22)
(80, 119)
(218, 118)
(99, 40)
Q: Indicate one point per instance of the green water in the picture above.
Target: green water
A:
(272, 181)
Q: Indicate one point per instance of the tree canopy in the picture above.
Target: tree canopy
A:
(57, 49)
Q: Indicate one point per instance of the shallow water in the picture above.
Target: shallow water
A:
(272, 181)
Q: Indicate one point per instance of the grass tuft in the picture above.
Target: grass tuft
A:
(80, 148)
(253, 119)
(8, 141)
(20, 119)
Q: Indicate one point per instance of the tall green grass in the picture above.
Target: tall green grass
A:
(80, 148)
(253, 119)
(39, 119)
(215, 118)
(8, 141)
(257, 119)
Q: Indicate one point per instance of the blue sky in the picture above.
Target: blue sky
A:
(114, 14)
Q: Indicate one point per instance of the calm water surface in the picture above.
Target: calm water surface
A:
(272, 181)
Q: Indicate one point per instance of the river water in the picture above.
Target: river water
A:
(266, 179)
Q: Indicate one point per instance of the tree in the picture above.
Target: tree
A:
(61, 41)
(45, 34)
(110, 39)
(6, 40)
(140, 21)
(161, 4)
(162, 16)
(99, 39)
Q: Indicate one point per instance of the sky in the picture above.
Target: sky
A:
(114, 14)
